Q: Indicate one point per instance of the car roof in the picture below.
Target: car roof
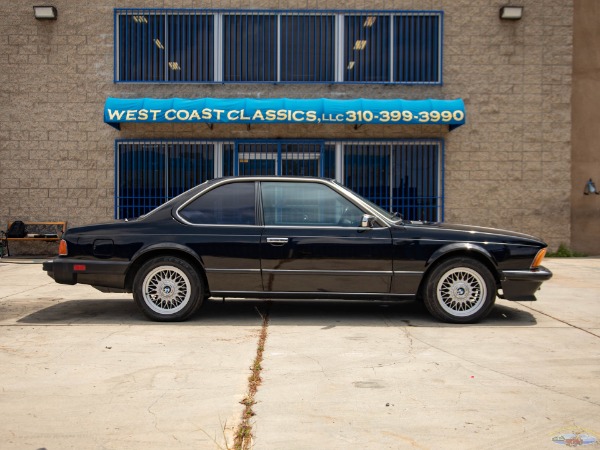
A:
(269, 177)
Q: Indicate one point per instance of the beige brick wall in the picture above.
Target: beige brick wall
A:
(509, 166)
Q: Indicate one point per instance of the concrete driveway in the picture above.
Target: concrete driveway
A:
(82, 369)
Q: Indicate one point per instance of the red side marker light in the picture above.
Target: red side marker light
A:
(79, 267)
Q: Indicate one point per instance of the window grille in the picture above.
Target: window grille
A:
(296, 158)
(249, 50)
(402, 175)
(367, 48)
(307, 48)
(156, 46)
(254, 46)
(417, 42)
(150, 173)
(417, 180)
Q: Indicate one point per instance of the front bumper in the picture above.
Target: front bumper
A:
(522, 284)
(110, 274)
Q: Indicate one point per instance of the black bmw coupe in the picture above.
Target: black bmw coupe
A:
(297, 237)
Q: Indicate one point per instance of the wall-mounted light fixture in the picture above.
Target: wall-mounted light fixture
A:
(590, 188)
(45, 12)
(511, 12)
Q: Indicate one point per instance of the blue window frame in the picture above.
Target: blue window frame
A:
(367, 48)
(149, 173)
(417, 40)
(417, 180)
(406, 176)
(274, 46)
(248, 50)
(141, 186)
(190, 45)
(297, 158)
(307, 48)
(154, 46)
(140, 44)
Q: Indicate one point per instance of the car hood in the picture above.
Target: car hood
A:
(474, 233)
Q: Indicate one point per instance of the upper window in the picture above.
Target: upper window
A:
(417, 47)
(155, 46)
(307, 204)
(367, 49)
(307, 48)
(248, 50)
(249, 46)
(229, 204)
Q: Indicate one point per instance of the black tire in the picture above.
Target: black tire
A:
(168, 289)
(460, 290)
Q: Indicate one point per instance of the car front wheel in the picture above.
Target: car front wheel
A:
(460, 290)
(168, 289)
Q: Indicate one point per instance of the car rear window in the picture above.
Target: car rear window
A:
(228, 204)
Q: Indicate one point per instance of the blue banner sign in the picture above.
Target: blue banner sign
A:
(284, 110)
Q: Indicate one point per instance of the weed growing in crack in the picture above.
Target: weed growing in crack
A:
(243, 434)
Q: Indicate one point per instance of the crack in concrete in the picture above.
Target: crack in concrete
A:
(243, 434)
(26, 290)
(548, 388)
(149, 409)
(558, 320)
(514, 377)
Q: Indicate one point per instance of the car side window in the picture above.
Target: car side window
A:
(309, 204)
(228, 204)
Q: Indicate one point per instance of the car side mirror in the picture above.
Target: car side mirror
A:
(367, 221)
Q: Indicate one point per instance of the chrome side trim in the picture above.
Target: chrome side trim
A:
(232, 271)
(329, 272)
(398, 241)
(307, 295)
(319, 272)
(324, 227)
(348, 194)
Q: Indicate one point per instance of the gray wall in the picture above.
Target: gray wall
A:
(586, 130)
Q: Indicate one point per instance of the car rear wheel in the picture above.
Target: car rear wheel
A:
(460, 290)
(168, 289)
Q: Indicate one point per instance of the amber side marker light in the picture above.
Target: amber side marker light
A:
(538, 258)
(62, 248)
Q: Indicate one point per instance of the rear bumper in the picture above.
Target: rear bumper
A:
(97, 273)
(522, 284)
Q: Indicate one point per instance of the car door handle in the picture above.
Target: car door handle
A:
(277, 241)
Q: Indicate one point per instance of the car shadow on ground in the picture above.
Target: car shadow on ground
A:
(238, 312)
(373, 313)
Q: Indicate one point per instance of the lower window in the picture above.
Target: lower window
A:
(404, 176)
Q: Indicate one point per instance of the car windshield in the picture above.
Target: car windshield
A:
(392, 217)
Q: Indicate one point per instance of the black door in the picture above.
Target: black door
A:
(312, 242)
